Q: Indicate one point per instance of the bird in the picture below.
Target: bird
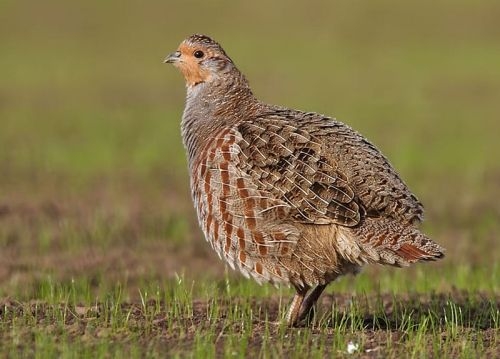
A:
(284, 196)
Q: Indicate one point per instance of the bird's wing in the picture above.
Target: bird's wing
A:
(323, 169)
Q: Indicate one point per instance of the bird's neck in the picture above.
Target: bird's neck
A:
(222, 95)
(211, 106)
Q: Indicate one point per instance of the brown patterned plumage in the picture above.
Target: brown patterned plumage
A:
(286, 196)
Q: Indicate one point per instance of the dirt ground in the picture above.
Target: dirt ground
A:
(179, 335)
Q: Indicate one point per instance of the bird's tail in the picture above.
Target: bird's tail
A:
(388, 242)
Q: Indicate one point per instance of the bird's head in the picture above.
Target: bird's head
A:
(200, 59)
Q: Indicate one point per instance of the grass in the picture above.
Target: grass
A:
(100, 252)
(229, 319)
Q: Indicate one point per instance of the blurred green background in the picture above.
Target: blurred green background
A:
(93, 180)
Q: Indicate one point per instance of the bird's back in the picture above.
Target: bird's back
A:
(325, 170)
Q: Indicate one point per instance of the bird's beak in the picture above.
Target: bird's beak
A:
(172, 58)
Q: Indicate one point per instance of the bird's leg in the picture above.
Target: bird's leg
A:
(292, 315)
(309, 302)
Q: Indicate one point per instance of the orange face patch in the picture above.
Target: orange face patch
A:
(190, 67)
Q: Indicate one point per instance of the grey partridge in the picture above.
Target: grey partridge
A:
(287, 196)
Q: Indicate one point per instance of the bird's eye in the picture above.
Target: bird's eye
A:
(198, 54)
